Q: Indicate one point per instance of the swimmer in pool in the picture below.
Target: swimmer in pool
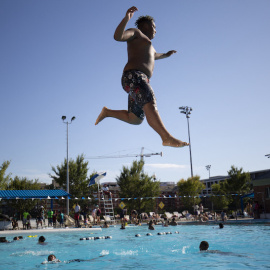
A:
(173, 222)
(105, 225)
(52, 258)
(151, 226)
(41, 240)
(136, 77)
(204, 245)
(4, 240)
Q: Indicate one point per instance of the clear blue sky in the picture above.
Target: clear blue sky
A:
(59, 58)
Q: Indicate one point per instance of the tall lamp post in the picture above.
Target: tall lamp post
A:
(187, 111)
(66, 122)
(208, 167)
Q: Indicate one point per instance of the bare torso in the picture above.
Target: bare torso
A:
(141, 54)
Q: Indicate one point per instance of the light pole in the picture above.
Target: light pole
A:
(268, 155)
(187, 111)
(208, 167)
(66, 122)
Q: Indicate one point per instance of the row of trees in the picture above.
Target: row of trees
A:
(17, 183)
(133, 183)
(224, 193)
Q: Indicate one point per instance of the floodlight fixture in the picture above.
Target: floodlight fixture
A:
(67, 182)
(187, 111)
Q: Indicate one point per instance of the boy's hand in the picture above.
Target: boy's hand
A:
(130, 12)
(169, 53)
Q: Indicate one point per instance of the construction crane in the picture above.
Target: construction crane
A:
(142, 155)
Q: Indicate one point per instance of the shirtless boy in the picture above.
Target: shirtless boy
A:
(136, 76)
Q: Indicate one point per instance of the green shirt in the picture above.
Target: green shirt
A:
(25, 215)
(50, 214)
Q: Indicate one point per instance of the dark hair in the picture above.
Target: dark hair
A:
(50, 257)
(143, 19)
(42, 239)
(204, 245)
(220, 225)
(3, 239)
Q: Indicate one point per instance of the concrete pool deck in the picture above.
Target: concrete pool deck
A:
(182, 222)
(48, 230)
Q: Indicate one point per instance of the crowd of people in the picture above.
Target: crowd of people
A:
(88, 217)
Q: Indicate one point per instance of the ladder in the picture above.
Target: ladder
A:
(108, 209)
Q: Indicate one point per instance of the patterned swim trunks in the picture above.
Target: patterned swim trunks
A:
(140, 92)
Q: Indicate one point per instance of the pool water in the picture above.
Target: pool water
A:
(239, 247)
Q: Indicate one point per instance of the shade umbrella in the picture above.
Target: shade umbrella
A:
(95, 180)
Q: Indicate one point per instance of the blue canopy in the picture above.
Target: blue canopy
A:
(33, 194)
(250, 195)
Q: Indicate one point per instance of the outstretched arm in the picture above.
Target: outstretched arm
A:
(164, 55)
(120, 34)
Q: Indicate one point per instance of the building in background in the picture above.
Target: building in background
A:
(261, 186)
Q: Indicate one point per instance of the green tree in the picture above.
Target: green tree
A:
(239, 182)
(78, 180)
(189, 190)
(4, 179)
(219, 198)
(20, 205)
(135, 184)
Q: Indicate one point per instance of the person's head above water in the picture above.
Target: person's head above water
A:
(51, 258)
(41, 239)
(204, 245)
(147, 25)
(220, 225)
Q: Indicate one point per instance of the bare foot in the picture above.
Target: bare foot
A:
(171, 141)
(102, 115)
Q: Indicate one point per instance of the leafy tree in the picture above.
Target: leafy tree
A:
(78, 180)
(135, 184)
(219, 198)
(189, 190)
(20, 205)
(4, 180)
(239, 182)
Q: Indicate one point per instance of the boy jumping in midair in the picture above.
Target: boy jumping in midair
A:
(136, 76)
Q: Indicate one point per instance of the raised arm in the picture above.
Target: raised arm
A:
(164, 55)
(120, 33)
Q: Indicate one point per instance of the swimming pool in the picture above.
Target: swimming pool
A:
(242, 246)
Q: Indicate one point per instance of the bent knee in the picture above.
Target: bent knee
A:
(134, 120)
(137, 121)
